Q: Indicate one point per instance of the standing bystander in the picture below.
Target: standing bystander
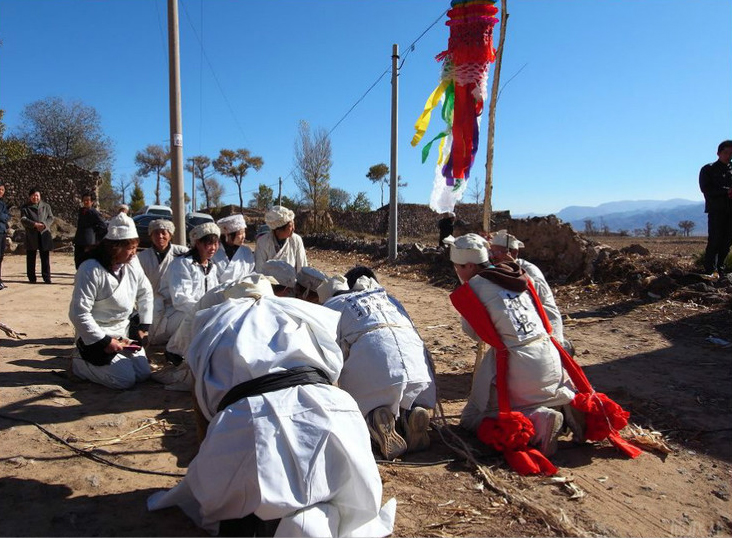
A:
(4, 218)
(36, 217)
(715, 181)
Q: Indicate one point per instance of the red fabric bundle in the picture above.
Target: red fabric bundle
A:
(604, 417)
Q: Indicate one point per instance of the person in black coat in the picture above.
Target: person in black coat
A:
(36, 217)
(715, 181)
(90, 228)
(4, 218)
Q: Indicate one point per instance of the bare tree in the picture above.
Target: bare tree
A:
(235, 164)
(590, 227)
(687, 226)
(213, 191)
(198, 166)
(313, 159)
(648, 229)
(338, 198)
(123, 183)
(69, 131)
(153, 159)
(665, 231)
(475, 190)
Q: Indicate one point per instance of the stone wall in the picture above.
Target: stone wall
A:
(61, 185)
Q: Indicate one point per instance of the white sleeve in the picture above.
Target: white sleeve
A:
(301, 259)
(180, 285)
(144, 296)
(261, 252)
(86, 285)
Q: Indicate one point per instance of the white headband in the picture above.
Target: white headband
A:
(161, 224)
(202, 230)
(121, 227)
(232, 223)
(504, 239)
(468, 248)
(278, 216)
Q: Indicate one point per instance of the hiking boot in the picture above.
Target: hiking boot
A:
(382, 428)
(574, 420)
(547, 424)
(414, 423)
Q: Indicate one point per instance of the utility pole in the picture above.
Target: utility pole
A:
(279, 193)
(176, 126)
(393, 177)
(193, 186)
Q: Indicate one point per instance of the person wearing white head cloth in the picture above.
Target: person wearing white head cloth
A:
(286, 452)
(281, 242)
(387, 368)
(235, 260)
(505, 247)
(106, 290)
(155, 262)
(189, 277)
(536, 381)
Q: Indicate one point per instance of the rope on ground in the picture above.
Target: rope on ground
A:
(87, 454)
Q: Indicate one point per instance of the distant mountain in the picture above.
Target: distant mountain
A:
(630, 215)
(574, 213)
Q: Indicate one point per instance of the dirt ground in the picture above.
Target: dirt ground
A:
(653, 357)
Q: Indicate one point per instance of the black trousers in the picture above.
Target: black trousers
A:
(2, 253)
(30, 265)
(719, 240)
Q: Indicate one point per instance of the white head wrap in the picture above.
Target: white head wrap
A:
(202, 230)
(281, 271)
(468, 248)
(121, 227)
(504, 239)
(310, 278)
(365, 283)
(161, 224)
(278, 216)
(330, 286)
(232, 223)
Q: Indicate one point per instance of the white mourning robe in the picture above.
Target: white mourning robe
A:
(546, 297)
(240, 265)
(301, 453)
(293, 251)
(101, 306)
(535, 374)
(386, 361)
(155, 272)
(185, 283)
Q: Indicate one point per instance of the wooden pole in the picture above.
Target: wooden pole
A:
(487, 202)
(394, 178)
(176, 126)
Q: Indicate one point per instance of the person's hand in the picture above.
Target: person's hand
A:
(39, 226)
(115, 346)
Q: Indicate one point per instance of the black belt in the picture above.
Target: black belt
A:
(300, 375)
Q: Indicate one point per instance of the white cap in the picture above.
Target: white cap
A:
(281, 271)
(161, 224)
(331, 286)
(121, 227)
(468, 248)
(310, 278)
(202, 230)
(232, 223)
(278, 216)
(365, 283)
(504, 239)
(251, 286)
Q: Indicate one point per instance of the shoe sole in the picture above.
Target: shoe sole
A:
(550, 445)
(383, 431)
(416, 430)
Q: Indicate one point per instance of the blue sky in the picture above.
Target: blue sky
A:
(609, 100)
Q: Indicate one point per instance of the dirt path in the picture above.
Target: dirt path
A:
(653, 358)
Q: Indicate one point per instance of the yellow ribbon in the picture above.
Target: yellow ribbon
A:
(424, 119)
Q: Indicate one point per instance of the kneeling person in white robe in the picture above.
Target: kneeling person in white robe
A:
(155, 262)
(106, 288)
(234, 258)
(387, 367)
(282, 443)
(281, 242)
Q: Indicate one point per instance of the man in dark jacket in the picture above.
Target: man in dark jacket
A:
(715, 181)
(36, 217)
(90, 228)
(4, 218)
